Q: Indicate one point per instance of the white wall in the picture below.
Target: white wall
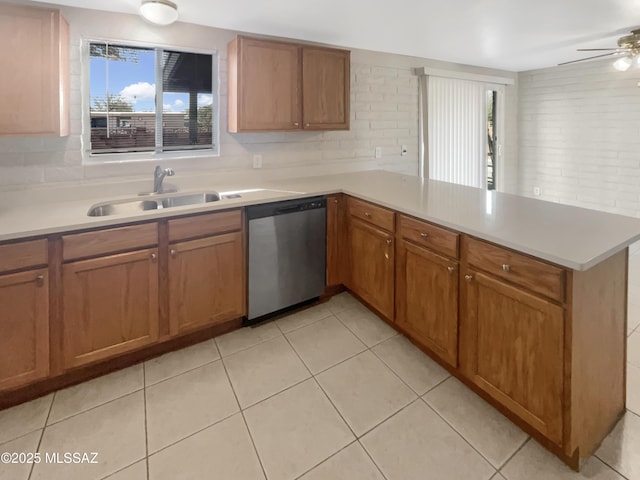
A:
(384, 112)
(579, 139)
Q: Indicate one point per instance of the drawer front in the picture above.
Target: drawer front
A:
(14, 256)
(205, 225)
(428, 235)
(100, 242)
(379, 216)
(535, 275)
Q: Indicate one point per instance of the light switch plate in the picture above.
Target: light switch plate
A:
(257, 161)
(378, 152)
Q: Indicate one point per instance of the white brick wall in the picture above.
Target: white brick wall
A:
(384, 113)
(579, 139)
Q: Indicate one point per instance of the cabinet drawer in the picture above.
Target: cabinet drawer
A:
(371, 213)
(100, 242)
(14, 256)
(426, 234)
(534, 275)
(204, 225)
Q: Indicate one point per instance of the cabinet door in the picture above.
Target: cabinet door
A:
(110, 305)
(34, 85)
(427, 299)
(325, 87)
(514, 350)
(24, 327)
(206, 282)
(268, 86)
(336, 234)
(371, 261)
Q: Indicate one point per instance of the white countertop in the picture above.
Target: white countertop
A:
(573, 237)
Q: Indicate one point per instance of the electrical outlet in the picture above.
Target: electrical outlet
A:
(257, 161)
(378, 152)
(403, 150)
(536, 191)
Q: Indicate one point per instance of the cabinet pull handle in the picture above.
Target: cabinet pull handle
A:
(335, 200)
(451, 269)
(468, 278)
(154, 256)
(506, 267)
(389, 241)
(367, 214)
(173, 253)
(40, 280)
(307, 125)
(295, 124)
(424, 235)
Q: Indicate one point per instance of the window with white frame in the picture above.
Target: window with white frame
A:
(146, 100)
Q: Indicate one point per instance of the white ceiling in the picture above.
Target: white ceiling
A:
(511, 35)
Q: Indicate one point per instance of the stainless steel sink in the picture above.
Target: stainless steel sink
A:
(122, 207)
(190, 199)
(133, 206)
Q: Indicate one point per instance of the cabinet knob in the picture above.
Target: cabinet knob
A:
(424, 235)
(468, 278)
(451, 269)
(367, 214)
(506, 267)
(335, 200)
(172, 252)
(389, 241)
(154, 256)
(40, 280)
(295, 124)
(307, 125)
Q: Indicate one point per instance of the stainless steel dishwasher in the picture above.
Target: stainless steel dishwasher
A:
(287, 254)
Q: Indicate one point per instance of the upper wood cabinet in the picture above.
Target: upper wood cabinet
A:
(281, 86)
(34, 59)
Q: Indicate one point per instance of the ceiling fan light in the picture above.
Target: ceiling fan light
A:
(623, 64)
(159, 12)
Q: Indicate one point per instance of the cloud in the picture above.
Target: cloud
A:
(140, 91)
(178, 103)
(204, 99)
(167, 107)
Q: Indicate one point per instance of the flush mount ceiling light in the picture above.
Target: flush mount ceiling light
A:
(160, 12)
(623, 64)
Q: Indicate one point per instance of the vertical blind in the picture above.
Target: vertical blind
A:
(457, 126)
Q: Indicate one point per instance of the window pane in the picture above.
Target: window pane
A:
(122, 98)
(187, 101)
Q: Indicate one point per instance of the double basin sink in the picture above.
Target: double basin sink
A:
(157, 203)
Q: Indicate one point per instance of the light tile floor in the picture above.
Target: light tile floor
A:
(328, 393)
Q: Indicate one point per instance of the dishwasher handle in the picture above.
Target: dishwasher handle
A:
(283, 210)
(285, 207)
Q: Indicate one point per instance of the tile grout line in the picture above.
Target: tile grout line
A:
(460, 435)
(44, 427)
(244, 419)
(371, 458)
(146, 429)
(528, 439)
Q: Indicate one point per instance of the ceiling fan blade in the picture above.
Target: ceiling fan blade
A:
(599, 49)
(589, 58)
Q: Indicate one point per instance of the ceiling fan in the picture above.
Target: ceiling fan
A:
(628, 52)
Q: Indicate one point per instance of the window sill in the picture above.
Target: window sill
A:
(112, 158)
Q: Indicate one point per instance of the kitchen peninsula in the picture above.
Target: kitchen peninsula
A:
(523, 300)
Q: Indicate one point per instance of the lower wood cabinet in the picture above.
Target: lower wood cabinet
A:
(110, 305)
(337, 261)
(24, 336)
(371, 256)
(513, 344)
(427, 299)
(206, 282)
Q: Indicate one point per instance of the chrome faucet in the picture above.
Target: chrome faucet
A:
(158, 176)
